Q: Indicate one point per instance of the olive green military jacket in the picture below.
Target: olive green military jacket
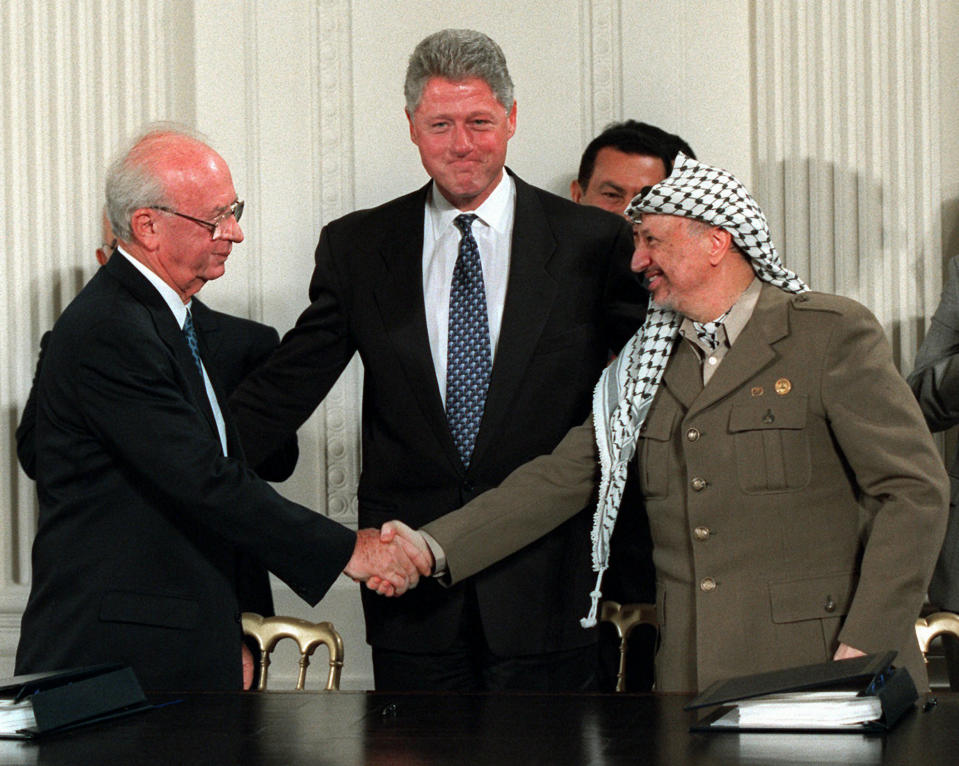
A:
(795, 502)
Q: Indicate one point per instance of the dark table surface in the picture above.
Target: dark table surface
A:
(407, 729)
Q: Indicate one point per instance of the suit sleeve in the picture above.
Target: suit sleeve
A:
(534, 499)
(279, 464)
(626, 299)
(130, 395)
(903, 485)
(274, 401)
(26, 430)
(935, 379)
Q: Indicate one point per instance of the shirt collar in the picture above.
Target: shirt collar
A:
(169, 295)
(735, 321)
(494, 212)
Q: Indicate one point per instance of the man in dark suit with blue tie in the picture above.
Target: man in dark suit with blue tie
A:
(483, 310)
(234, 345)
(148, 511)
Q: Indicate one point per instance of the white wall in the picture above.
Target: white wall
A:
(304, 100)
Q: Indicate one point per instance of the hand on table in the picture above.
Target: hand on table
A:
(846, 652)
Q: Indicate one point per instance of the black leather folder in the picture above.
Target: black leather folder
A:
(870, 675)
(65, 699)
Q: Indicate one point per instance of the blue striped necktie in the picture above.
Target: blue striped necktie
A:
(190, 332)
(469, 361)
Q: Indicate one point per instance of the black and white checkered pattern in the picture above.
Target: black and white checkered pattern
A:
(625, 391)
(708, 332)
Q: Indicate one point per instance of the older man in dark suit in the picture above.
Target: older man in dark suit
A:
(234, 347)
(483, 310)
(147, 509)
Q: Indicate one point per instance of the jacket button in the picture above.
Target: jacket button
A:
(707, 585)
(702, 533)
(692, 434)
(830, 605)
(698, 484)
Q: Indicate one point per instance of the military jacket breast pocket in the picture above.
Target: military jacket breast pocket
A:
(655, 447)
(771, 444)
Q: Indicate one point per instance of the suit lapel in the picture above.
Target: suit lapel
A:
(169, 332)
(529, 295)
(211, 339)
(403, 312)
(753, 349)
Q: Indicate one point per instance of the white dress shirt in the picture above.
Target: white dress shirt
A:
(493, 232)
(179, 309)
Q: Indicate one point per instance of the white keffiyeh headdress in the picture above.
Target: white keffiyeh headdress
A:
(626, 389)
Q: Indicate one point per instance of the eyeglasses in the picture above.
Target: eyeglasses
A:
(214, 226)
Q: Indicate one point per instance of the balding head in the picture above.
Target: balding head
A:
(133, 180)
(171, 203)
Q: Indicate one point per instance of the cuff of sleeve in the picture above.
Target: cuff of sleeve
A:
(439, 555)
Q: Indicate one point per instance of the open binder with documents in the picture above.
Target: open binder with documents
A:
(863, 694)
(45, 703)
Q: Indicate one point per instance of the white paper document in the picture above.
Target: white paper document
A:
(803, 710)
(15, 716)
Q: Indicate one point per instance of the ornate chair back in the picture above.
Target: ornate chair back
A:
(625, 617)
(268, 631)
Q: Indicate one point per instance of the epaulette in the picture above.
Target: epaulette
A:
(813, 301)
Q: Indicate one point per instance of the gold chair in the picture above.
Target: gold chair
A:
(936, 624)
(625, 617)
(268, 631)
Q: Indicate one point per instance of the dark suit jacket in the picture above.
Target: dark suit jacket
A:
(143, 522)
(233, 346)
(935, 382)
(570, 299)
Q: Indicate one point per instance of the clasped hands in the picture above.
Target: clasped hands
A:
(390, 560)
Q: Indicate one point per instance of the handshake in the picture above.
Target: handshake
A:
(390, 560)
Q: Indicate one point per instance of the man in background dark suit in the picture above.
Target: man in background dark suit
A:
(626, 157)
(556, 297)
(148, 511)
(935, 382)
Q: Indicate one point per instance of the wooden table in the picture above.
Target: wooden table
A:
(354, 728)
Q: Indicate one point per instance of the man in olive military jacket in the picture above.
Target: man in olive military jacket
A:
(796, 500)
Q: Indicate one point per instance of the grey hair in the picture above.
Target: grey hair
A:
(457, 54)
(132, 181)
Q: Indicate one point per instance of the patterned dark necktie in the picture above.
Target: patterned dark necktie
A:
(708, 332)
(469, 361)
(190, 332)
